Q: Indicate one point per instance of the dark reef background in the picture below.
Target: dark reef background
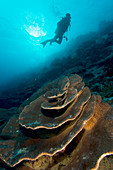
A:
(90, 56)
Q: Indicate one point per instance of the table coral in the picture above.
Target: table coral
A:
(52, 118)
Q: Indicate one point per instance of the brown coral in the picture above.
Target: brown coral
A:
(54, 116)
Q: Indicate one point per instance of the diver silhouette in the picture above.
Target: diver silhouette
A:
(62, 27)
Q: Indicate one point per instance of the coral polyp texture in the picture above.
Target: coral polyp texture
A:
(52, 118)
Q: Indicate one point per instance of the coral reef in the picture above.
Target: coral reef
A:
(62, 117)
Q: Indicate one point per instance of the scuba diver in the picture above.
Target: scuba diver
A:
(62, 27)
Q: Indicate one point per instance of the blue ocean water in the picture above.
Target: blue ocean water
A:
(24, 24)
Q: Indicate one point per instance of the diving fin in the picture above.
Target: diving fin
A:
(44, 43)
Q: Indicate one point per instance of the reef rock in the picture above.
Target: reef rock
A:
(52, 118)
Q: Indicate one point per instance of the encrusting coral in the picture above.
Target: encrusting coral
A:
(52, 118)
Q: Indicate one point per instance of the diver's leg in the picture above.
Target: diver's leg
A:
(59, 40)
(53, 39)
(50, 40)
